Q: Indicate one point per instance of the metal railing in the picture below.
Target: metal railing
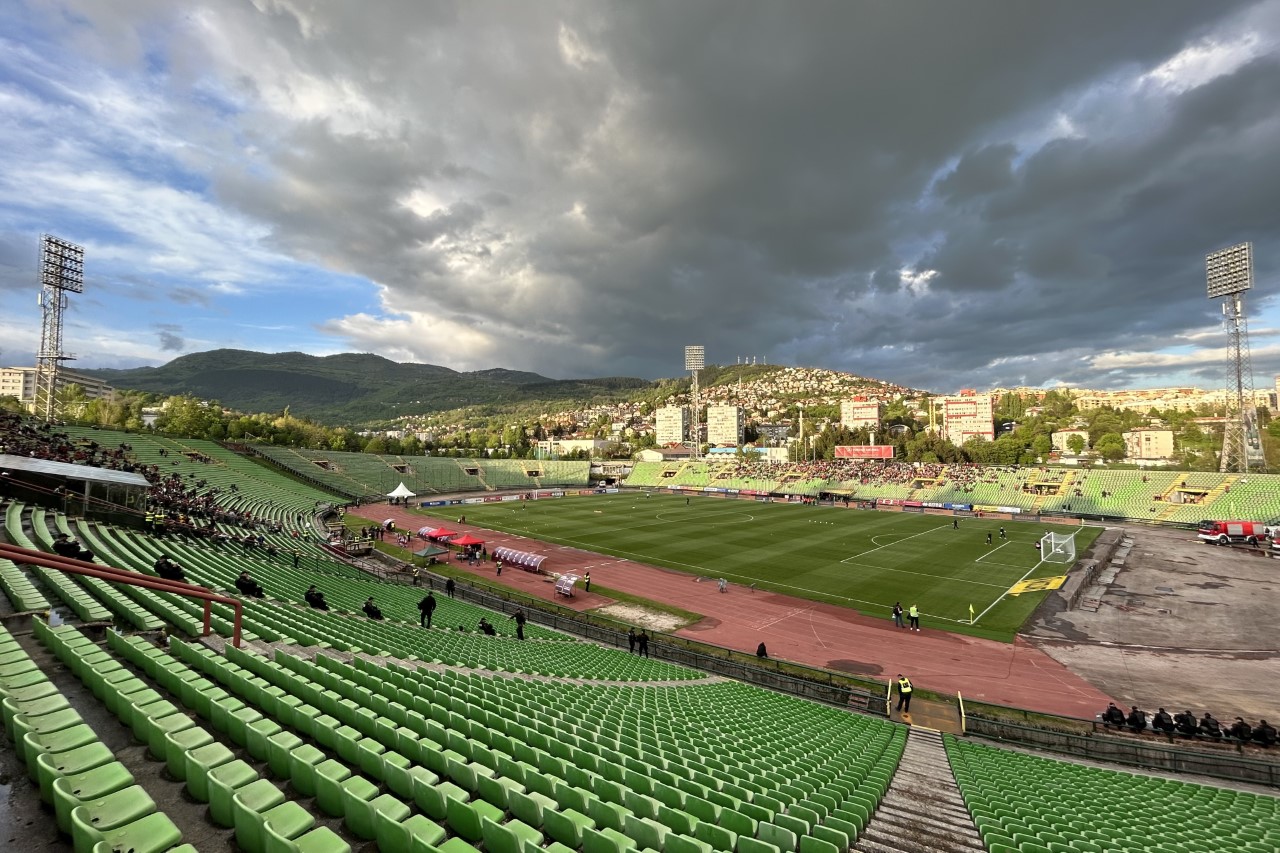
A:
(111, 574)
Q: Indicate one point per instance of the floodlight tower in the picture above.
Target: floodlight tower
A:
(61, 271)
(1229, 273)
(695, 359)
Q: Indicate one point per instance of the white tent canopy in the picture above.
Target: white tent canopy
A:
(401, 491)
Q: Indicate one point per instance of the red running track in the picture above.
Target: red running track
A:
(1015, 674)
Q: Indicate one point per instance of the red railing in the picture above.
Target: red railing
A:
(114, 575)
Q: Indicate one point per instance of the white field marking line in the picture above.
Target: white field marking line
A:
(1007, 566)
(992, 551)
(935, 577)
(1030, 571)
(895, 542)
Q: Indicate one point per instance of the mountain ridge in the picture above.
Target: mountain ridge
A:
(350, 387)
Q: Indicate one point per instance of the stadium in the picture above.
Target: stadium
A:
(365, 509)
(142, 717)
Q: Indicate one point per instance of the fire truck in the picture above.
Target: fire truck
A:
(1234, 532)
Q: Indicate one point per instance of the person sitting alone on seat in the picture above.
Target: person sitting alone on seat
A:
(370, 609)
(315, 598)
(1162, 722)
(249, 586)
(1113, 716)
(1209, 726)
(1186, 723)
(1264, 734)
(485, 628)
(1240, 730)
(761, 651)
(65, 546)
(168, 569)
(1137, 720)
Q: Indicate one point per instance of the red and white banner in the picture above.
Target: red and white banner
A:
(865, 451)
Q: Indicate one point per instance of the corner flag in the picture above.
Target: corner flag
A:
(970, 614)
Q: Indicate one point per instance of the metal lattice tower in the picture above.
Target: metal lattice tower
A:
(61, 270)
(1229, 274)
(695, 359)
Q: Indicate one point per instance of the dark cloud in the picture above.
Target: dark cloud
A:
(944, 195)
(171, 339)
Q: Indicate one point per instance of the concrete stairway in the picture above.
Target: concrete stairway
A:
(922, 811)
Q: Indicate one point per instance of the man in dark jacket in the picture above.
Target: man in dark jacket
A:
(248, 586)
(168, 569)
(426, 607)
(1137, 719)
(370, 609)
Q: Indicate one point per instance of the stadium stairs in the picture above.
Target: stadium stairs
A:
(923, 809)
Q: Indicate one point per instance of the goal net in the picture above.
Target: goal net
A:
(1058, 548)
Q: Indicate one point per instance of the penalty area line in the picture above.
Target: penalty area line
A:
(1029, 573)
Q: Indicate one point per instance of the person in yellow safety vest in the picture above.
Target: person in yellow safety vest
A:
(904, 693)
(913, 614)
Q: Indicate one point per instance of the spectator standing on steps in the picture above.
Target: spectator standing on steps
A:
(631, 640)
(448, 587)
(643, 642)
(904, 693)
(427, 606)
(520, 620)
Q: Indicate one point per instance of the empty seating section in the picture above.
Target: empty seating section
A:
(372, 474)
(1135, 494)
(259, 490)
(1026, 803)
(94, 797)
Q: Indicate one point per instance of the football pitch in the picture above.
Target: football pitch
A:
(861, 559)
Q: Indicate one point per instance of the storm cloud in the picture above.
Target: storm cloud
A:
(942, 195)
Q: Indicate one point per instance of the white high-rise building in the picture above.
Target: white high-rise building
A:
(968, 415)
(856, 414)
(724, 425)
(671, 426)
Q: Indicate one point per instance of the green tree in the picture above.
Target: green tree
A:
(376, 444)
(1042, 446)
(1075, 443)
(1110, 446)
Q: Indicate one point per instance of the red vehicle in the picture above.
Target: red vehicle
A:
(1228, 532)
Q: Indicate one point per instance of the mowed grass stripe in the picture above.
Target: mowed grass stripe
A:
(806, 551)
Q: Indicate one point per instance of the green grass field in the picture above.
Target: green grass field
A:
(866, 560)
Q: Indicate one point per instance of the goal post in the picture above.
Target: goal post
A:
(1058, 548)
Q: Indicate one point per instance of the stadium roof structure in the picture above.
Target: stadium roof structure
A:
(67, 470)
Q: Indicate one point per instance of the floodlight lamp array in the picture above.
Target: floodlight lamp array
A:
(695, 358)
(61, 264)
(1229, 271)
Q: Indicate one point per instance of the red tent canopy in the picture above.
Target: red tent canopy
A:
(441, 533)
(467, 540)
